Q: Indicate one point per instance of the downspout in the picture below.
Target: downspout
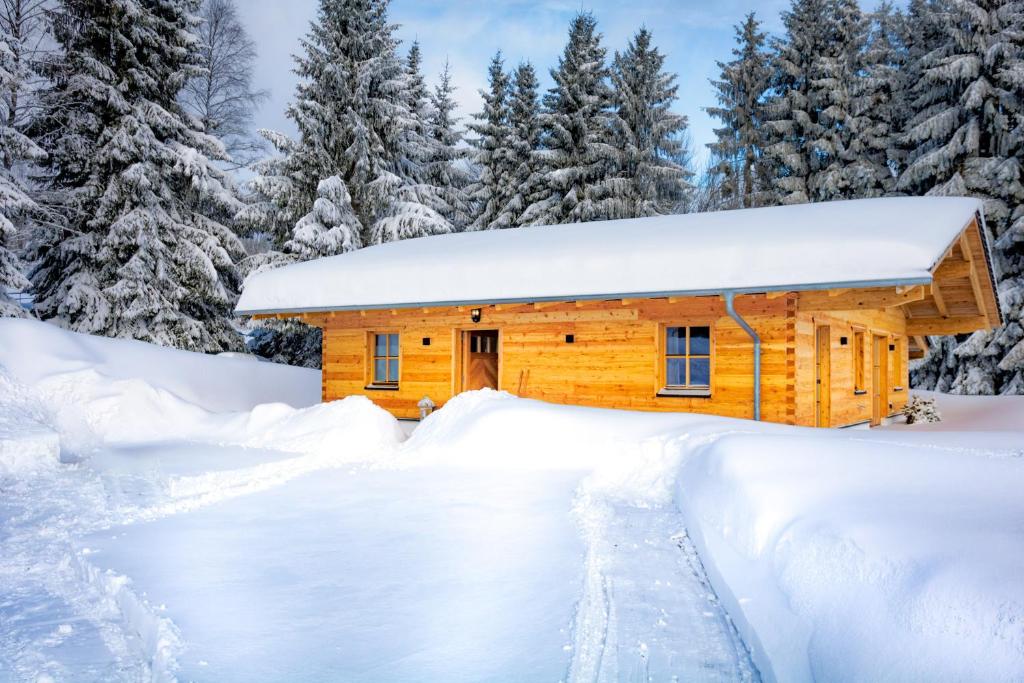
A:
(757, 350)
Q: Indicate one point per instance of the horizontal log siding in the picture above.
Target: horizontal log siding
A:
(614, 361)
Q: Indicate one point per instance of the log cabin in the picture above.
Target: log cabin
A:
(805, 315)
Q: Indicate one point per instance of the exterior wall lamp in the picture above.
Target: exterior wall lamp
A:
(475, 315)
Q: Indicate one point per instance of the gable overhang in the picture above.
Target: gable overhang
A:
(962, 296)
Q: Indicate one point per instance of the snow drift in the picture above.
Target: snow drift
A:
(110, 391)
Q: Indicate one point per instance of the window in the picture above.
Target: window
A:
(858, 362)
(688, 358)
(385, 359)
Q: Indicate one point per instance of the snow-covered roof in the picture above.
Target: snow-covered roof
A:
(858, 243)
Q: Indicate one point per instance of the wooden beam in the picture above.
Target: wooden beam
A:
(940, 326)
(837, 292)
(777, 295)
(940, 302)
(979, 297)
(540, 306)
(952, 269)
(918, 347)
(859, 299)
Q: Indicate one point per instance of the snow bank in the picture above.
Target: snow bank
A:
(847, 560)
(488, 428)
(28, 441)
(34, 352)
(118, 391)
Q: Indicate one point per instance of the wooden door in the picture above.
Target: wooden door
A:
(879, 379)
(823, 376)
(480, 365)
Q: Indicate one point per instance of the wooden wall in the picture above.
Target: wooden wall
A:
(613, 361)
(615, 358)
(847, 407)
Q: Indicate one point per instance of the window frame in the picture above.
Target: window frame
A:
(663, 389)
(896, 362)
(859, 362)
(371, 357)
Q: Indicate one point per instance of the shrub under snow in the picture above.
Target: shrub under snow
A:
(921, 410)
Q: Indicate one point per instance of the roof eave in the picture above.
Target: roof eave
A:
(816, 286)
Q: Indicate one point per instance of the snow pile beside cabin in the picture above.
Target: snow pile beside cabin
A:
(100, 391)
(861, 242)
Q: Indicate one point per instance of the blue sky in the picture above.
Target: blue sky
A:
(692, 34)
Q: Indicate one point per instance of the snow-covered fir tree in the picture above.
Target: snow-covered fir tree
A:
(647, 137)
(923, 32)
(15, 203)
(575, 153)
(841, 172)
(492, 190)
(433, 141)
(354, 112)
(739, 146)
(877, 109)
(138, 253)
(808, 118)
(969, 137)
(524, 128)
(447, 169)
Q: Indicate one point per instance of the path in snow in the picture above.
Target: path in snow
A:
(52, 623)
(665, 622)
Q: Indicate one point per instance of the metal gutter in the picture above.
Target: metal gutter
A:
(855, 284)
(730, 309)
(990, 264)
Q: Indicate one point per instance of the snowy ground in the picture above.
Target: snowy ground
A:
(159, 520)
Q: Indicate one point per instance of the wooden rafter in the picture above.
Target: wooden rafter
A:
(940, 302)
(979, 299)
(860, 299)
(952, 325)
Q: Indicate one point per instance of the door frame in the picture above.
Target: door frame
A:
(879, 378)
(822, 376)
(460, 357)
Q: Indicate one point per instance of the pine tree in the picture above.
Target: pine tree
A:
(923, 33)
(493, 189)
(138, 254)
(739, 148)
(969, 133)
(839, 172)
(877, 108)
(809, 115)
(575, 151)
(447, 170)
(15, 203)
(524, 124)
(646, 135)
(355, 111)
